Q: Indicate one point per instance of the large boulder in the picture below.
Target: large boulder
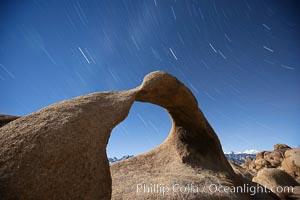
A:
(276, 180)
(261, 163)
(274, 158)
(291, 162)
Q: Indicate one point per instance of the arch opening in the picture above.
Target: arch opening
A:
(146, 127)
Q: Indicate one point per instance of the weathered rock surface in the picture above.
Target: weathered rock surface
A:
(272, 178)
(59, 152)
(241, 171)
(280, 167)
(283, 157)
(281, 146)
(295, 195)
(291, 162)
(5, 119)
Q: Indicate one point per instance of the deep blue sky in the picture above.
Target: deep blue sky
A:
(240, 59)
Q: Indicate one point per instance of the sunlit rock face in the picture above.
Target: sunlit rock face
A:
(59, 152)
(279, 167)
(272, 178)
(282, 157)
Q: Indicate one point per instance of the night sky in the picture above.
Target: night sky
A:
(240, 58)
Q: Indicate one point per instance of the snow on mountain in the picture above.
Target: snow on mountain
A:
(240, 156)
(251, 151)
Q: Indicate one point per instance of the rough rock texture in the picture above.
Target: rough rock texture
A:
(283, 157)
(295, 195)
(261, 163)
(291, 162)
(5, 119)
(280, 167)
(274, 158)
(272, 178)
(281, 146)
(59, 152)
(242, 171)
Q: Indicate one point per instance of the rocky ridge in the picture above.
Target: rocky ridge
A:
(59, 152)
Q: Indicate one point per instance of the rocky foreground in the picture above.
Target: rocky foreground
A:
(280, 167)
(59, 152)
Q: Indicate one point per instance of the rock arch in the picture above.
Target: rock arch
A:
(59, 152)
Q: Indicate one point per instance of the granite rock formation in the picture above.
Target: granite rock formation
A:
(5, 119)
(191, 154)
(291, 163)
(59, 152)
(280, 167)
(283, 157)
(242, 172)
(274, 178)
(281, 146)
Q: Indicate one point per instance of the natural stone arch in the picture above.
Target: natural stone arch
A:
(195, 141)
(59, 152)
(191, 141)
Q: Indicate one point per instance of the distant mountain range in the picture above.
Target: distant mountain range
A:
(114, 159)
(231, 156)
(239, 157)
